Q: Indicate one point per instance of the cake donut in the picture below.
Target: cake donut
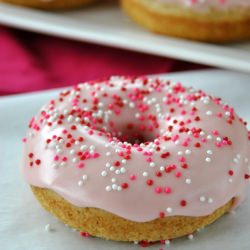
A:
(133, 159)
(203, 20)
(50, 4)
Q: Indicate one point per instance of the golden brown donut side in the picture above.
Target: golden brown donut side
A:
(50, 5)
(215, 26)
(100, 223)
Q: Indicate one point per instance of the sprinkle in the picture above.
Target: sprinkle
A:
(84, 177)
(190, 236)
(209, 112)
(202, 198)
(104, 173)
(210, 200)
(169, 209)
(108, 188)
(145, 174)
(108, 153)
(48, 228)
(209, 152)
(208, 159)
(80, 183)
(188, 181)
(187, 151)
(152, 164)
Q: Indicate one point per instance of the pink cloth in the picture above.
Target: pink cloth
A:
(30, 62)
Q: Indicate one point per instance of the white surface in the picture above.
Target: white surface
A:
(23, 221)
(106, 24)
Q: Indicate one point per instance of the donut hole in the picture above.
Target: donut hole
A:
(133, 134)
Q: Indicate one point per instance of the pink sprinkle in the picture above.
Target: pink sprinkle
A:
(158, 190)
(56, 158)
(215, 132)
(178, 174)
(204, 140)
(132, 177)
(96, 155)
(185, 144)
(168, 190)
(182, 159)
(218, 144)
(175, 137)
(149, 159)
(24, 140)
(80, 165)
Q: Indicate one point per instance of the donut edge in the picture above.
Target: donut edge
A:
(50, 5)
(103, 224)
(230, 27)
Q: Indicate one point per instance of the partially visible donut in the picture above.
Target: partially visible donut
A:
(202, 20)
(135, 159)
(50, 4)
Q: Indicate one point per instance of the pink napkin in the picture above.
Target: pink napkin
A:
(30, 62)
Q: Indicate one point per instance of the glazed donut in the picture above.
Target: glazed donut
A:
(134, 159)
(202, 20)
(50, 4)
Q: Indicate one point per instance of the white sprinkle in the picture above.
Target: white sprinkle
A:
(230, 180)
(119, 188)
(112, 168)
(74, 160)
(227, 113)
(169, 209)
(209, 137)
(113, 180)
(83, 147)
(190, 236)
(123, 170)
(236, 160)
(108, 154)
(209, 152)
(209, 112)
(72, 151)
(208, 159)
(152, 164)
(114, 186)
(188, 181)
(210, 200)
(218, 139)
(162, 168)
(238, 156)
(54, 165)
(48, 228)
(107, 165)
(84, 177)
(180, 153)
(92, 147)
(108, 188)
(80, 183)
(145, 174)
(117, 171)
(131, 105)
(187, 151)
(246, 160)
(104, 173)
(167, 242)
(202, 198)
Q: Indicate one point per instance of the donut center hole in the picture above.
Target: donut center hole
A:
(134, 135)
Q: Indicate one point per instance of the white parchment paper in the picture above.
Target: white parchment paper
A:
(23, 221)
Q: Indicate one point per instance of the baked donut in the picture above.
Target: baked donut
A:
(133, 159)
(50, 4)
(203, 20)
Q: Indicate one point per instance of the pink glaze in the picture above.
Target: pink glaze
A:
(203, 5)
(196, 159)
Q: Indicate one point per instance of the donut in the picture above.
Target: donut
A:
(137, 158)
(203, 20)
(50, 4)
